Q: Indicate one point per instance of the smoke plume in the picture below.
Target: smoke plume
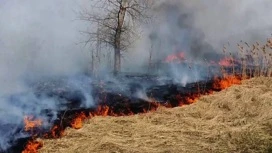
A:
(200, 29)
(204, 26)
(40, 40)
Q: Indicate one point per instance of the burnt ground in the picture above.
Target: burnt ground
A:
(237, 119)
(125, 96)
(122, 98)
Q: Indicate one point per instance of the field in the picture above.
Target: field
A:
(238, 119)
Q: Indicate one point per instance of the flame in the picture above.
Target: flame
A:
(227, 62)
(31, 123)
(185, 100)
(102, 111)
(176, 57)
(32, 147)
(57, 131)
(190, 100)
(220, 84)
(77, 122)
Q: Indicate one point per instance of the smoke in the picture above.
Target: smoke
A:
(207, 25)
(39, 41)
(200, 29)
(221, 21)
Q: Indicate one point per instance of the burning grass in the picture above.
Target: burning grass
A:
(31, 123)
(77, 122)
(222, 123)
(227, 82)
(33, 146)
(237, 119)
(78, 119)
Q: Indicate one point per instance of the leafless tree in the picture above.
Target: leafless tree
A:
(117, 21)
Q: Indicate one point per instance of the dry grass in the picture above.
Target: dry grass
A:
(255, 59)
(238, 119)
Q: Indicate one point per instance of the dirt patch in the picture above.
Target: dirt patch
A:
(238, 119)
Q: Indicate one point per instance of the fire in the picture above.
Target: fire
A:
(77, 123)
(185, 100)
(102, 111)
(77, 120)
(220, 84)
(190, 100)
(227, 62)
(56, 132)
(31, 123)
(32, 147)
(176, 57)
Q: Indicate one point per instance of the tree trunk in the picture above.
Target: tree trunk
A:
(92, 69)
(98, 51)
(117, 38)
(150, 59)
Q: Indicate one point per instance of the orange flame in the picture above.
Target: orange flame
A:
(77, 123)
(55, 132)
(32, 147)
(103, 110)
(31, 123)
(220, 84)
(191, 100)
(176, 57)
(185, 100)
(227, 62)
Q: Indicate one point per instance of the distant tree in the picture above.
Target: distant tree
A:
(117, 22)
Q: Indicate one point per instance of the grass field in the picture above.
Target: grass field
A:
(238, 119)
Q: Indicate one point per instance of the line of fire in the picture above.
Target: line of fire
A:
(49, 85)
(220, 75)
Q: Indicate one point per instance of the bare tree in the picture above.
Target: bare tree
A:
(117, 21)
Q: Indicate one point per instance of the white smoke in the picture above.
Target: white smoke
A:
(201, 28)
(216, 22)
(39, 40)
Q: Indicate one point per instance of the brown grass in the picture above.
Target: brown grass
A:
(238, 119)
(255, 59)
